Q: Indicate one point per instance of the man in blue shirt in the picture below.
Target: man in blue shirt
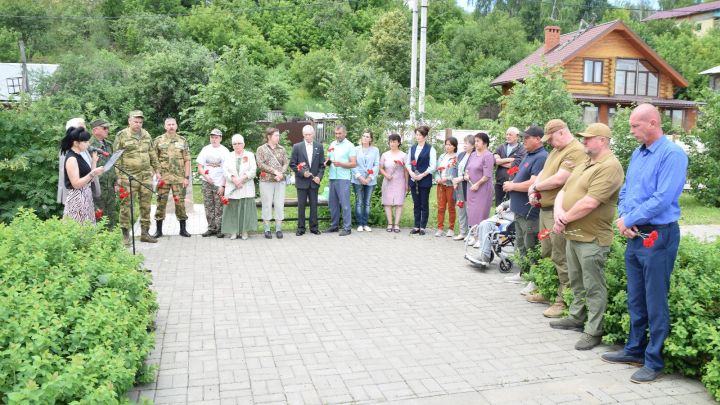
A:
(341, 160)
(649, 203)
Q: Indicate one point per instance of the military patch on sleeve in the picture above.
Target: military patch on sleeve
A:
(568, 164)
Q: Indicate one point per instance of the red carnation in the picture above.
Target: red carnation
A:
(98, 214)
(653, 236)
(370, 171)
(263, 174)
(544, 234)
(513, 170)
(536, 196)
(161, 183)
(648, 242)
(121, 189)
(224, 200)
(440, 169)
(124, 195)
(207, 171)
(176, 199)
(414, 162)
(301, 166)
(461, 204)
(399, 162)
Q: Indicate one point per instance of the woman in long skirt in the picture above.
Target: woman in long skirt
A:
(240, 214)
(478, 173)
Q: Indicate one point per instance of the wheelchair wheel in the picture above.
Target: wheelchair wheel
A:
(505, 265)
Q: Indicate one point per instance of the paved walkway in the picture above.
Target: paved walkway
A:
(369, 318)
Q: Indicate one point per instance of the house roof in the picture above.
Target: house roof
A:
(572, 43)
(659, 102)
(711, 71)
(684, 11)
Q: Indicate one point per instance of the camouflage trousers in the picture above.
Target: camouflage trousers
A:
(144, 197)
(213, 206)
(164, 195)
(107, 202)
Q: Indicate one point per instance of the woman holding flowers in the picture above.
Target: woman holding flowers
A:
(273, 163)
(421, 163)
(395, 182)
(446, 170)
(478, 173)
(460, 185)
(364, 178)
(240, 214)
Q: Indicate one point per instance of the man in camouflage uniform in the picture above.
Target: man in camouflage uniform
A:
(106, 202)
(173, 156)
(139, 161)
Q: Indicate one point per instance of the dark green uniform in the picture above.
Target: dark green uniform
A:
(107, 202)
(140, 161)
(172, 154)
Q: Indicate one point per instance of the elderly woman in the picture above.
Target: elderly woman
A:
(478, 174)
(273, 163)
(395, 182)
(210, 161)
(460, 185)
(364, 178)
(421, 163)
(78, 175)
(240, 214)
(446, 171)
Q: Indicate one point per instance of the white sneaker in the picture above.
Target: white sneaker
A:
(459, 237)
(367, 228)
(450, 233)
(515, 279)
(244, 236)
(530, 287)
(470, 240)
(233, 236)
(360, 228)
(439, 232)
(477, 244)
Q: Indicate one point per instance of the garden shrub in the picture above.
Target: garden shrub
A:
(76, 311)
(693, 346)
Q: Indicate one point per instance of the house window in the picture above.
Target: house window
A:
(715, 82)
(635, 77)
(592, 72)
(14, 85)
(677, 117)
(590, 114)
(611, 116)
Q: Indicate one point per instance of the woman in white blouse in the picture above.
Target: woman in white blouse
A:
(240, 214)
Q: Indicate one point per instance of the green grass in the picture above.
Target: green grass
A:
(694, 213)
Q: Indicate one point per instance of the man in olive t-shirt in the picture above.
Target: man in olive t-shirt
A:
(567, 154)
(584, 211)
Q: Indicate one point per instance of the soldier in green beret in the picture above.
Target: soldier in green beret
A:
(140, 162)
(173, 157)
(106, 203)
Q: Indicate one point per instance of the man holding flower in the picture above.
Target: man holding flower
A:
(583, 211)
(306, 160)
(341, 160)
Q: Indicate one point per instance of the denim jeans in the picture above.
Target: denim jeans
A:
(363, 194)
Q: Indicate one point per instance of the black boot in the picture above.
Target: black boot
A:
(158, 229)
(183, 231)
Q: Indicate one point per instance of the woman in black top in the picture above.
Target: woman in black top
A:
(78, 175)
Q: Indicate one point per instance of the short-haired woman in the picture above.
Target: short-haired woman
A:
(421, 163)
(78, 175)
(364, 178)
(478, 173)
(273, 163)
(446, 170)
(395, 182)
(461, 185)
(240, 215)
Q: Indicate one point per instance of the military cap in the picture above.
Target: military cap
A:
(216, 131)
(136, 113)
(553, 126)
(100, 123)
(596, 129)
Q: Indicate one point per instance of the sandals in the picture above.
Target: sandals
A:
(389, 228)
(396, 228)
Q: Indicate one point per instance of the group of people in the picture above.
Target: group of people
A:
(567, 201)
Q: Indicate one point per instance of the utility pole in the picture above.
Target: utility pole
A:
(423, 52)
(413, 61)
(25, 85)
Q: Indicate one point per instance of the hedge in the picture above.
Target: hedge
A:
(693, 346)
(76, 313)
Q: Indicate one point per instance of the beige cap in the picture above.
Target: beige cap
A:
(136, 113)
(216, 131)
(596, 129)
(553, 126)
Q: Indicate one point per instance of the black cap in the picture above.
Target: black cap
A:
(533, 130)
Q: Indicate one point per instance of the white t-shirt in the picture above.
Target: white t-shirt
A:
(212, 159)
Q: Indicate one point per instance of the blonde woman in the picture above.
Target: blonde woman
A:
(240, 214)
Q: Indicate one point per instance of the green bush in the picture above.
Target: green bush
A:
(75, 313)
(693, 346)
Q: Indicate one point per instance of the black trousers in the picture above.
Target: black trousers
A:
(304, 195)
(421, 205)
(499, 194)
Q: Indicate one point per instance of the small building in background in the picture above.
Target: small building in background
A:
(703, 16)
(714, 77)
(11, 78)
